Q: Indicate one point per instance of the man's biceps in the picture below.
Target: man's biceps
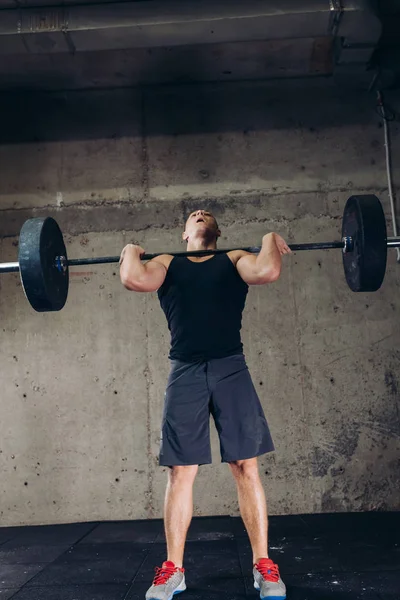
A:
(156, 265)
(246, 263)
(155, 274)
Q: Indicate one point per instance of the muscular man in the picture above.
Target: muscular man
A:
(203, 300)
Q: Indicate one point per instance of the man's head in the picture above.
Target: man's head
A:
(201, 224)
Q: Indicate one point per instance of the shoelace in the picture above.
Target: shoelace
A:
(163, 574)
(269, 570)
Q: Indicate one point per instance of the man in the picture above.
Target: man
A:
(203, 299)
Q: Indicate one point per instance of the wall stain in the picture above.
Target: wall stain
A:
(391, 382)
(343, 447)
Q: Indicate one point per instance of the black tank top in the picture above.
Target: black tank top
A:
(203, 303)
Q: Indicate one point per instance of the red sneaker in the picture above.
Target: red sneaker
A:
(268, 580)
(168, 581)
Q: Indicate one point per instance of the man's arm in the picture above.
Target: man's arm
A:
(142, 277)
(266, 266)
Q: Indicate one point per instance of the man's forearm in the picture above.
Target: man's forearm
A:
(131, 267)
(269, 259)
(137, 276)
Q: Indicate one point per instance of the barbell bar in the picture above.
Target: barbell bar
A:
(62, 261)
(44, 266)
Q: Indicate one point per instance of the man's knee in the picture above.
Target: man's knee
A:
(181, 474)
(245, 468)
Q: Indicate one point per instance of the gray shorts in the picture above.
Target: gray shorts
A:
(223, 388)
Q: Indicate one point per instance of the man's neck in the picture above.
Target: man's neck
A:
(199, 245)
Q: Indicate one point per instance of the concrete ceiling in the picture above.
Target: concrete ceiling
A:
(40, 3)
(115, 44)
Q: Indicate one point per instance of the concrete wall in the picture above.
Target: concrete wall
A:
(82, 390)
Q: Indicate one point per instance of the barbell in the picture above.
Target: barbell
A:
(44, 267)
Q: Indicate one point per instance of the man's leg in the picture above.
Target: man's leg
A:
(252, 504)
(185, 443)
(178, 510)
(253, 508)
(244, 432)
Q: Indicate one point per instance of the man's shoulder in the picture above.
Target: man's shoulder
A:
(163, 259)
(234, 255)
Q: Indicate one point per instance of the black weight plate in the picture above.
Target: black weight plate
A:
(364, 220)
(40, 242)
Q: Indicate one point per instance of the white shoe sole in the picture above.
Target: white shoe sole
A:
(257, 587)
(178, 590)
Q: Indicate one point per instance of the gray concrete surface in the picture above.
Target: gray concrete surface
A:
(82, 390)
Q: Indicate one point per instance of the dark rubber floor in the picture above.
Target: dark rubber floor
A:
(321, 557)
